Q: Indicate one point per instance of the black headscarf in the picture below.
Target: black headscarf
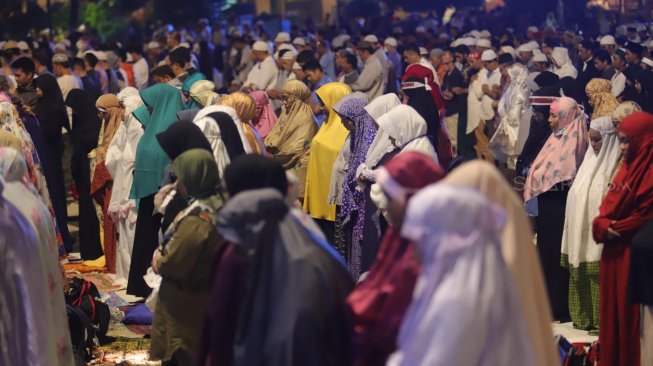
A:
(546, 78)
(229, 133)
(422, 101)
(180, 137)
(292, 309)
(539, 131)
(571, 89)
(253, 171)
(645, 78)
(86, 122)
(50, 108)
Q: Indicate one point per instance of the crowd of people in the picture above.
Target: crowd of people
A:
(335, 199)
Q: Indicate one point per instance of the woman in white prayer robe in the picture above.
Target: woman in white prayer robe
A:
(120, 161)
(465, 309)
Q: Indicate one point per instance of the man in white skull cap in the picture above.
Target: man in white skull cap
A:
(526, 56)
(379, 53)
(263, 75)
(489, 81)
(608, 43)
(282, 37)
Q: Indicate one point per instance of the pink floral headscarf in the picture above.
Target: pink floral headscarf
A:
(563, 152)
(265, 119)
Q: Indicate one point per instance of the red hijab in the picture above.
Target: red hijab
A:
(421, 72)
(380, 301)
(629, 201)
(417, 71)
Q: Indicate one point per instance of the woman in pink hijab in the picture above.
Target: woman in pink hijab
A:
(549, 181)
(265, 118)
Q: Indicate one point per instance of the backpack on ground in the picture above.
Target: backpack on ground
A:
(85, 296)
(82, 335)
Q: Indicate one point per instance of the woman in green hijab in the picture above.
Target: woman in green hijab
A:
(184, 261)
(161, 102)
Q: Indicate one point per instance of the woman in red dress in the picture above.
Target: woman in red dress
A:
(627, 206)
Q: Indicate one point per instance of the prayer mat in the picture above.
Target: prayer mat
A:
(131, 358)
(103, 281)
(82, 268)
(127, 344)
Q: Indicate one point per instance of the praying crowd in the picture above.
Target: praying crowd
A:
(428, 195)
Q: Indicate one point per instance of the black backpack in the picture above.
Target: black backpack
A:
(82, 335)
(84, 295)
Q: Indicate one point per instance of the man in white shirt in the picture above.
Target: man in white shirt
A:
(370, 80)
(140, 66)
(490, 80)
(264, 74)
(379, 53)
(65, 78)
(618, 79)
(608, 43)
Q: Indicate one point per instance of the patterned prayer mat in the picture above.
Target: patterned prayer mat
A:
(131, 358)
(127, 344)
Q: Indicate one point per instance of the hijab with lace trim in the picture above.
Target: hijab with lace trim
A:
(599, 94)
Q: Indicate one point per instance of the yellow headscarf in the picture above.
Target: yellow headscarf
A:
(290, 138)
(598, 92)
(202, 91)
(245, 106)
(325, 148)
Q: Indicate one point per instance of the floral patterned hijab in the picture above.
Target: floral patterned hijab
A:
(563, 152)
(353, 200)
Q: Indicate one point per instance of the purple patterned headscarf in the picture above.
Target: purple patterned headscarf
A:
(353, 199)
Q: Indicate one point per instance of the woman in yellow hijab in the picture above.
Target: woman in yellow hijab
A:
(324, 150)
(600, 98)
(246, 108)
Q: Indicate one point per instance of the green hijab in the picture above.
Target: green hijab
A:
(164, 101)
(198, 171)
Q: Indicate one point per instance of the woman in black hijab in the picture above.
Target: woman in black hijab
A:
(253, 171)
(422, 101)
(51, 113)
(180, 137)
(539, 131)
(85, 131)
(229, 134)
(278, 295)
